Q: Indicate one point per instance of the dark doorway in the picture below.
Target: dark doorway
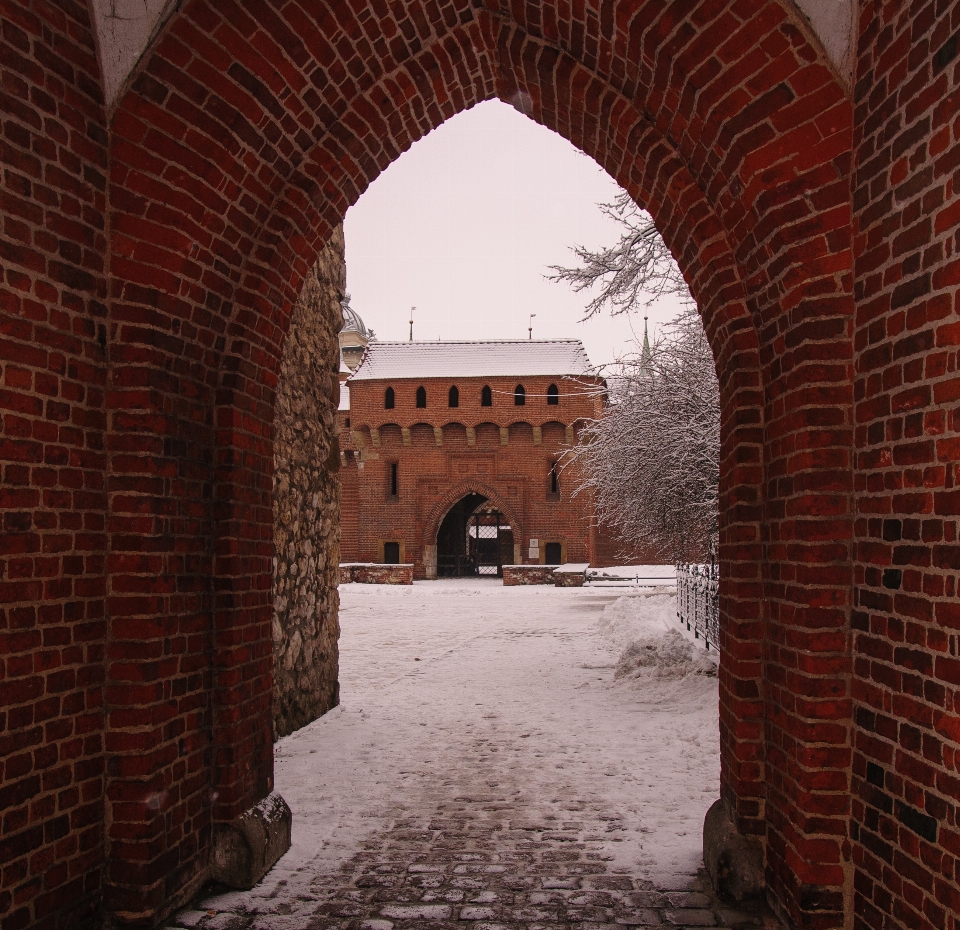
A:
(391, 553)
(553, 555)
(474, 539)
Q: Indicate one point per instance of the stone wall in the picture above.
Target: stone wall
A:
(374, 573)
(527, 574)
(306, 501)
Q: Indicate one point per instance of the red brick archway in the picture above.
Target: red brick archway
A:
(431, 525)
(244, 140)
(235, 153)
(247, 132)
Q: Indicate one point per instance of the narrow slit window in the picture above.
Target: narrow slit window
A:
(553, 396)
(519, 396)
(554, 479)
(453, 397)
(421, 397)
(393, 479)
(389, 399)
(486, 396)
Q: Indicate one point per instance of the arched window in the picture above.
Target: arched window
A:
(553, 395)
(519, 396)
(486, 396)
(389, 399)
(421, 396)
(453, 397)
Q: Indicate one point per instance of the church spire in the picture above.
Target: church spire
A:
(646, 358)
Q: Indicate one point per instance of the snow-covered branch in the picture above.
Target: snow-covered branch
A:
(638, 270)
(653, 458)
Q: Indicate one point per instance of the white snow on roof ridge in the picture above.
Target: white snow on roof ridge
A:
(465, 358)
(462, 342)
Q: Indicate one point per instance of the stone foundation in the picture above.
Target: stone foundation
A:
(570, 576)
(375, 573)
(527, 574)
(306, 501)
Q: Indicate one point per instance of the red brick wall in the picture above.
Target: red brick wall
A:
(53, 148)
(906, 623)
(431, 478)
(239, 146)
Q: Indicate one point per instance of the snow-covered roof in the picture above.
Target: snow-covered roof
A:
(488, 359)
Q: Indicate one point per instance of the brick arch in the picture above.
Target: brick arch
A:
(431, 525)
(240, 146)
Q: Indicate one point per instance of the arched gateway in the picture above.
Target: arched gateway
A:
(157, 228)
(475, 539)
(403, 469)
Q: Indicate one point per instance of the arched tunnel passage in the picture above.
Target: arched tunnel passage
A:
(474, 539)
(727, 120)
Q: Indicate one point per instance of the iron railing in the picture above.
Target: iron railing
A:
(698, 600)
(606, 578)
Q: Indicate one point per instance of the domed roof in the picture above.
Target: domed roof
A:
(351, 319)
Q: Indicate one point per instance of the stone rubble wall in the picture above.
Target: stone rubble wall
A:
(527, 574)
(376, 573)
(306, 501)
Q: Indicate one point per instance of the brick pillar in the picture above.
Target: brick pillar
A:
(906, 619)
(54, 345)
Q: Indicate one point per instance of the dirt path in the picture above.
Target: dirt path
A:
(484, 767)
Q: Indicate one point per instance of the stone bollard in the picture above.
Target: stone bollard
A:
(733, 862)
(246, 849)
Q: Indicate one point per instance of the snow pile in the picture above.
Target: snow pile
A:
(632, 617)
(654, 655)
(662, 655)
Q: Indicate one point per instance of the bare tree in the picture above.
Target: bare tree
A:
(638, 270)
(653, 458)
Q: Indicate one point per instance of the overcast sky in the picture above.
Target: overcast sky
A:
(464, 226)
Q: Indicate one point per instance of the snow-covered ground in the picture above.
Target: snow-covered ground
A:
(449, 684)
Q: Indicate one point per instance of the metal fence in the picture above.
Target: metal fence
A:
(611, 578)
(698, 600)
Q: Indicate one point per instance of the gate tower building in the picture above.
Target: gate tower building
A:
(455, 456)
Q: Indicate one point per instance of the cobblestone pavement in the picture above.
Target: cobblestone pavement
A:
(486, 814)
(474, 863)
